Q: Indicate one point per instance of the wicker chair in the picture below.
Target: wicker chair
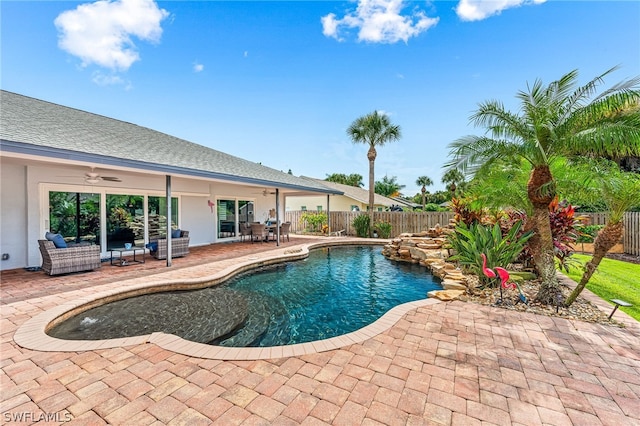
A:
(259, 232)
(284, 230)
(179, 246)
(71, 259)
(245, 230)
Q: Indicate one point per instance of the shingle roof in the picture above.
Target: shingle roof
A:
(33, 126)
(355, 193)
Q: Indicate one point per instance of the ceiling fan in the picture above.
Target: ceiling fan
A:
(92, 177)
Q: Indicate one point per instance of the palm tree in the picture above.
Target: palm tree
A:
(454, 179)
(424, 181)
(620, 191)
(554, 120)
(375, 130)
(388, 186)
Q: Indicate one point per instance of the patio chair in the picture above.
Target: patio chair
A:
(71, 259)
(179, 246)
(259, 231)
(284, 230)
(245, 230)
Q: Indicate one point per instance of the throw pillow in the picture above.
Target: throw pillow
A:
(176, 233)
(152, 246)
(57, 239)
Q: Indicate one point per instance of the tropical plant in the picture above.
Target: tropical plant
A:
(361, 223)
(424, 181)
(353, 179)
(464, 212)
(470, 241)
(313, 221)
(375, 130)
(619, 191)
(559, 119)
(383, 228)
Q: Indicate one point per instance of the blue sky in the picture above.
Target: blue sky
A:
(279, 82)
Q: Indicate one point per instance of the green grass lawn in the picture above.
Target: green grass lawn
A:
(613, 279)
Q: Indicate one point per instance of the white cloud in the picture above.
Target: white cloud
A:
(476, 10)
(100, 32)
(379, 21)
(198, 67)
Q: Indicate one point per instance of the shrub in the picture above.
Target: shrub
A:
(469, 241)
(384, 229)
(361, 223)
(313, 221)
(587, 233)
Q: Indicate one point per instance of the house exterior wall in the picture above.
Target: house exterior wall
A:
(13, 215)
(337, 203)
(24, 203)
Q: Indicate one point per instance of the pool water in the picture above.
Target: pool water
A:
(332, 292)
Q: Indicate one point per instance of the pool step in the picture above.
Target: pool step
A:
(260, 313)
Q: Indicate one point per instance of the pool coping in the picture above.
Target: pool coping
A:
(32, 334)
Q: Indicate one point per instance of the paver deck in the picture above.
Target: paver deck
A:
(435, 363)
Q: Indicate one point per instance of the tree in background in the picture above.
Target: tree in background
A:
(375, 130)
(455, 181)
(388, 187)
(353, 179)
(424, 181)
(554, 120)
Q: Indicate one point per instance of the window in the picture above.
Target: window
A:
(319, 208)
(303, 208)
(75, 215)
(157, 216)
(125, 220)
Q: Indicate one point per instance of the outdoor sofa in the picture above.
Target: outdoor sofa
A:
(179, 245)
(70, 259)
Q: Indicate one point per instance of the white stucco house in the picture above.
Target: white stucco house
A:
(97, 179)
(352, 198)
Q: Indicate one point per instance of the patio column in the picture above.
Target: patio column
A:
(277, 217)
(328, 213)
(168, 191)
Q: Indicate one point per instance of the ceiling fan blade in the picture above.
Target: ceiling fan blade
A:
(111, 178)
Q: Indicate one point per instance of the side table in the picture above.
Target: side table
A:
(121, 261)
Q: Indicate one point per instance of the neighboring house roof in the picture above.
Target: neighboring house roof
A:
(356, 193)
(31, 126)
(405, 203)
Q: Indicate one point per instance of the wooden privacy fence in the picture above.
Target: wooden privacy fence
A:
(400, 221)
(421, 221)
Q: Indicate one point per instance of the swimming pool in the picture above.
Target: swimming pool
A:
(332, 292)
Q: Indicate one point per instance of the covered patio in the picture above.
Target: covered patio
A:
(442, 363)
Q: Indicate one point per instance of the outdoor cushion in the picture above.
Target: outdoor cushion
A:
(176, 233)
(152, 246)
(57, 239)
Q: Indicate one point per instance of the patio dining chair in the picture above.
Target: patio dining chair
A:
(284, 230)
(245, 230)
(259, 232)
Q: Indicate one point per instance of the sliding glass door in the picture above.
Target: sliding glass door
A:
(230, 213)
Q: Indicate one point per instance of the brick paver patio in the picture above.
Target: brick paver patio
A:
(442, 363)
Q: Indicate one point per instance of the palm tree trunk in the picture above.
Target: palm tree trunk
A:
(605, 240)
(371, 155)
(541, 192)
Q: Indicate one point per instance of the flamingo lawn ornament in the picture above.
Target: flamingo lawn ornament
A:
(503, 274)
(486, 271)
